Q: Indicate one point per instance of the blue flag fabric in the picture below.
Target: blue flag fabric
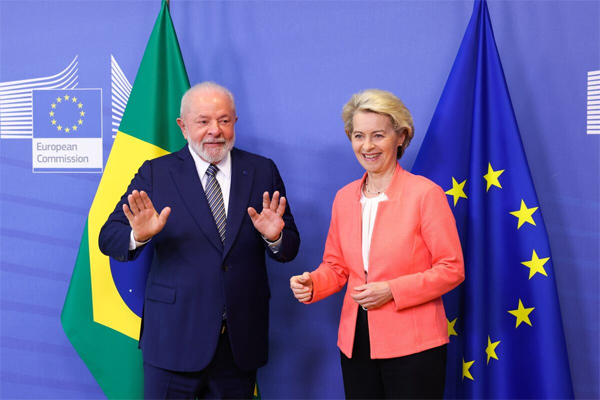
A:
(504, 322)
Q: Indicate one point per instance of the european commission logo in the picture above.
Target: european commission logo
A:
(67, 130)
(64, 122)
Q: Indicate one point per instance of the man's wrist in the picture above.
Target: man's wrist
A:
(273, 240)
(139, 240)
(134, 243)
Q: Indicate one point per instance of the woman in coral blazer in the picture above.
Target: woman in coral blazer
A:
(393, 240)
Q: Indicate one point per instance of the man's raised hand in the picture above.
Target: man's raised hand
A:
(269, 222)
(142, 216)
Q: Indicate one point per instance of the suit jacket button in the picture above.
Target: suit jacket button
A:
(225, 268)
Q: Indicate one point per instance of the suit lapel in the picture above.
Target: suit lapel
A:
(190, 188)
(242, 176)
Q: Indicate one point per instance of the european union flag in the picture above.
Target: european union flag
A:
(67, 113)
(504, 322)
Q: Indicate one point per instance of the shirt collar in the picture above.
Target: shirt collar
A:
(201, 165)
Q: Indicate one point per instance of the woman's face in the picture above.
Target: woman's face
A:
(374, 141)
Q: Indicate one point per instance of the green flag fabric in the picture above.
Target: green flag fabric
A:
(99, 319)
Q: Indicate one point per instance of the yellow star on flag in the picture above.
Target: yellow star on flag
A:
(74, 99)
(53, 105)
(490, 350)
(536, 265)
(82, 113)
(457, 190)
(451, 330)
(524, 214)
(80, 122)
(67, 129)
(52, 113)
(59, 128)
(466, 366)
(74, 127)
(492, 177)
(66, 97)
(522, 314)
(53, 122)
(58, 99)
(79, 105)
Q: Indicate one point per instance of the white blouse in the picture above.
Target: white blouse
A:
(369, 212)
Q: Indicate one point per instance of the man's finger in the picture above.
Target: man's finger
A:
(139, 202)
(281, 208)
(164, 215)
(266, 201)
(146, 200)
(274, 202)
(252, 213)
(132, 205)
(127, 213)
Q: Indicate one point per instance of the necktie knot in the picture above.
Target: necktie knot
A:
(212, 170)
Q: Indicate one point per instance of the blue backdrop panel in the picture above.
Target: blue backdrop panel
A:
(292, 65)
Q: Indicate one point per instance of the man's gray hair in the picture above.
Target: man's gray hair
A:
(205, 86)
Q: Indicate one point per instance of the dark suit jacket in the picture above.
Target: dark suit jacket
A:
(193, 275)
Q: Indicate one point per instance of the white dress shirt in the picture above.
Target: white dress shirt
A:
(369, 212)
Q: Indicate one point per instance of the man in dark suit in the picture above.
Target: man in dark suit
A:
(206, 311)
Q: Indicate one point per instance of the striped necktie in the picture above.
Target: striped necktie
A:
(215, 200)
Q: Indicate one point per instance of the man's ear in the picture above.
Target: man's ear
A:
(182, 126)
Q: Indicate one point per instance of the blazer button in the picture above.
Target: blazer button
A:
(225, 268)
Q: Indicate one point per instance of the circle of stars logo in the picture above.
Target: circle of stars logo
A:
(74, 114)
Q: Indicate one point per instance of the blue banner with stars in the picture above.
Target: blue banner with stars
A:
(504, 322)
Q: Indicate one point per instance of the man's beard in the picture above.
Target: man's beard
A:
(212, 155)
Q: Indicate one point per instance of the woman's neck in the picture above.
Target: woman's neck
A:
(377, 183)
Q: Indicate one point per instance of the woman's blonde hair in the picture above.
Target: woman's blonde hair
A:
(384, 103)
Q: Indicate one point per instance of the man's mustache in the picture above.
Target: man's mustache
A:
(221, 140)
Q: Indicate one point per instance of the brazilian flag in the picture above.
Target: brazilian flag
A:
(102, 310)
